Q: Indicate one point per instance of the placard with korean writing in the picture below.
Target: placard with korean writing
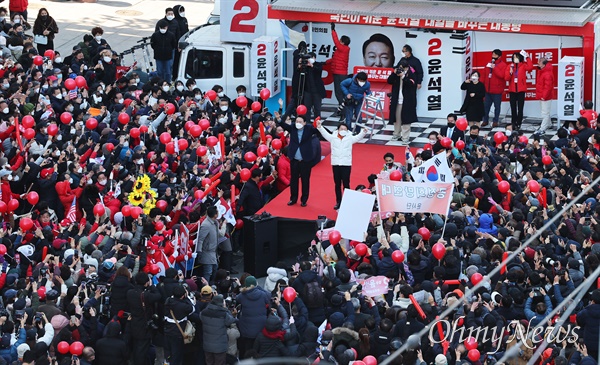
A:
(410, 197)
(266, 58)
(375, 285)
(570, 87)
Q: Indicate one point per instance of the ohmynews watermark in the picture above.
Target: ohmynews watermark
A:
(536, 334)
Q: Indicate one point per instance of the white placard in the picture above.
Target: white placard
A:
(570, 87)
(243, 20)
(354, 214)
(265, 65)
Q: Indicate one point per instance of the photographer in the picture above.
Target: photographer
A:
(314, 89)
(216, 319)
(177, 309)
(403, 104)
(355, 89)
(142, 300)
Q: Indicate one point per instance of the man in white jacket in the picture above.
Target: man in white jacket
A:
(341, 155)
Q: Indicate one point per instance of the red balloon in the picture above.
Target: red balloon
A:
(3, 207)
(154, 269)
(80, 82)
(49, 53)
(546, 160)
(460, 145)
(276, 144)
(13, 205)
(427, 147)
(396, 175)
(159, 226)
(99, 209)
(63, 346)
(438, 250)
(446, 142)
(239, 224)
(256, 106)
(27, 121)
(29, 133)
(471, 343)
(424, 232)
(289, 294)
(136, 212)
(499, 137)
(144, 129)
(198, 194)
(265, 93)
(241, 101)
(369, 360)
(70, 84)
(201, 151)
(76, 348)
(38, 60)
(462, 124)
(361, 249)
(211, 95)
(165, 137)
(397, 256)
(262, 150)
(533, 186)
(204, 124)
(91, 124)
(476, 278)
(188, 125)
(123, 118)
(110, 147)
(170, 109)
(335, 237)
(33, 198)
(183, 144)
(195, 131)
(26, 224)
(245, 174)
(523, 139)
(503, 186)
(52, 130)
(301, 110)
(474, 355)
(134, 132)
(66, 118)
(212, 141)
(170, 148)
(250, 157)
(126, 210)
(162, 205)
(205, 181)
(3, 252)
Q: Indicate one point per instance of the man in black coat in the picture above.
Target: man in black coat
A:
(301, 153)
(177, 309)
(216, 318)
(164, 44)
(112, 348)
(171, 22)
(251, 197)
(314, 88)
(141, 301)
(451, 131)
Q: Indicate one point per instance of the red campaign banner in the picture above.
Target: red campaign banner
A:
(374, 286)
(378, 76)
(481, 59)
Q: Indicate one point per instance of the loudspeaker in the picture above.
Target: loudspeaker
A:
(260, 245)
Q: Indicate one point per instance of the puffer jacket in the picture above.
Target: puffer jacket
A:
(66, 194)
(18, 6)
(494, 78)
(351, 86)
(112, 348)
(486, 224)
(118, 294)
(274, 274)
(341, 148)
(589, 320)
(544, 83)
(215, 321)
(254, 302)
(339, 61)
(270, 341)
(520, 72)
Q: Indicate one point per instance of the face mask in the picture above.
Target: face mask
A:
(17, 20)
(222, 120)
(163, 31)
(244, 138)
(56, 153)
(474, 78)
(72, 131)
(473, 136)
(140, 161)
(70, 109)
(121, 101)
(37, 90)
(98, 38)
(432, 141)
(9, 178)
(126, 144)
(221, 94)
(182, 14)
(97, 99)
(311, 60)
(59, 96)
(5, 110)
(80, 170)
(299, 125)
(450, 125)
(5, 86)
(90, 182)
(70, 181)
(170, 17)
(264, 159)
(224, 108)
(107, 59)
(241, 94)
(137, 80)
(45, 87)
(516, 60)
(198, 97)
(103, 182)
(590, 140)
(343, 133)
(179, 88)
(165, 88)
(59, 76)
(64, 94)
(361, 83)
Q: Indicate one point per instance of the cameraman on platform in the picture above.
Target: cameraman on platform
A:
(307, 84)
(355, 89)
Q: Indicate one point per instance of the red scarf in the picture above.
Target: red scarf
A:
(277, 335)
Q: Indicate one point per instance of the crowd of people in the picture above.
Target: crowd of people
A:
(121, 199)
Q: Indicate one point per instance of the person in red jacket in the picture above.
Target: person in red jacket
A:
(544, 86)
(493, 80)
(339, 67)
(284, 171)
(589, 113)
(18, 7)
(516, 75)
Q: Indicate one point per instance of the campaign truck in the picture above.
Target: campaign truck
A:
(451, 39)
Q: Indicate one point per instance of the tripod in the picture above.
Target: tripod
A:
(146, 54)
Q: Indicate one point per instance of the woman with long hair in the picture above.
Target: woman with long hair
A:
(44, 30)
(516, 75)
(473, 105)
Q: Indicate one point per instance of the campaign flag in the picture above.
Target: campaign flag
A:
(73, 94)
(411, 197)
(434, 170)
(71, 214)
(224, 211)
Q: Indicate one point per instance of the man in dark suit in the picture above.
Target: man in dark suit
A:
(301, 153)
(250, 197)
(451, 131)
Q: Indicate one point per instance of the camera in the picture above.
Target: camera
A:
(350, 101)
(230, 303)
(43, 271)
(549, 261)
(152, 323)
(38, 317)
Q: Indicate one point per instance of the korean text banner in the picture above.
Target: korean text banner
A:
(410, 197)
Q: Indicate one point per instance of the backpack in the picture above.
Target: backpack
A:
(313, 295)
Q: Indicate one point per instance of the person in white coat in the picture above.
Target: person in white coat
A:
(341, 155)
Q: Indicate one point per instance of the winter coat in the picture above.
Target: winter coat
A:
(250, 198)
(339, 61)
(181, 309)
(473, 105)
(417, 67)
(544, 83)
(207, 242)
(9, 354)
(305, 144)
(493, 78)
(163, 45)
(66, 195)
(215, 321)
(351, 86)
(408, 114)
(254, 302)
(182, 21)
(173, 27)
(274, 274)
(49, 24)
(270, 341)
(118, 295)
(284, 173)
(112, 348)
(518, 71)
(534, 317)
(341, 148)
(141, 314)
(18, 6)
(589, 320)
(345, 336)
(486, 224)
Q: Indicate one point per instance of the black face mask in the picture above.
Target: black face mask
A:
(451, 125)
(474, 136)
(391, 164)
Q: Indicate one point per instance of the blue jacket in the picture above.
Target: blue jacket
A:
(306, 145)
(534, 317)
(10, 354)
(254, 302)
(589, 320)
(351, 86)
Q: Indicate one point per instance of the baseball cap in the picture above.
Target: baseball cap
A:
(206, 290)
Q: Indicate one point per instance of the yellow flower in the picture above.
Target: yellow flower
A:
(145, 179)
(153, 193)
(136, 198)
(149, 205)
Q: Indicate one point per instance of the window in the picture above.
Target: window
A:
(204, 64)
(238, 64)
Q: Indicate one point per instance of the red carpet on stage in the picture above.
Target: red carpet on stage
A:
(366, 159)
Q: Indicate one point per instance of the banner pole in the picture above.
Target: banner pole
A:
(447, 210)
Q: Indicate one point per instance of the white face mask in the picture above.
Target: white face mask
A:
(590, 140)
(361, 83)
(264, 159)
(241, 94)
(182, 14)
(170, 17)
(221, 94)
(98, 38)
(179, 88)
(90, 182)
(17, 21)
(198, 97)
(224, 108)
(121, 101)
(222, 120)
(140, 161)
(72, 131)
(474, 78)
(9, 178)
(343, 133)
(432, 141)
(152, 101)
(70, 180)
(16, 178)
(5, 110)
(59, 96)
(311, 60)
(244, 138)
(162, 31)
(103, 182)
(165, 88)
(58, 59)
(80, 170)
(5, 86)
(299, 125)
(97, 99)
(36, 90)
(56, 153)
(64, 94)
(70, 109)
(137, 81)
(107, 59)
